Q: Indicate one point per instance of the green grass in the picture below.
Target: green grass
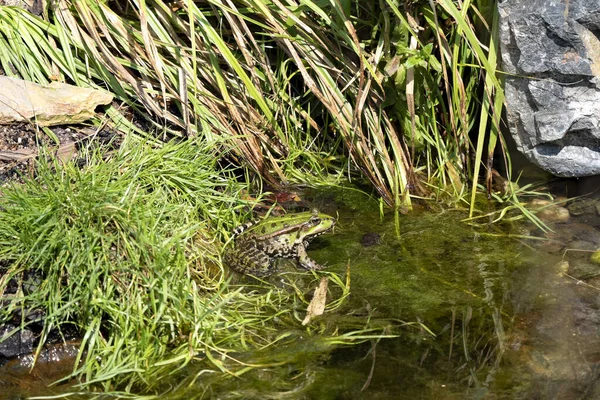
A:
(126, 249)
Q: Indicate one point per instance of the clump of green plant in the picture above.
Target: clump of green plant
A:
(126, 249)
(403, 93)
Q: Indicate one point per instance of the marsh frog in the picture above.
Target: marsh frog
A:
(256, 244)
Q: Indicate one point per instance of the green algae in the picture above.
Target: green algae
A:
(438, 261)
(450, 276)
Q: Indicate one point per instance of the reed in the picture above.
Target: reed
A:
(405, 94)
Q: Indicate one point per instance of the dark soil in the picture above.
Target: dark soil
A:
(20, 145)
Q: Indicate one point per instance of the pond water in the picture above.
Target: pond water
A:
(510, 319)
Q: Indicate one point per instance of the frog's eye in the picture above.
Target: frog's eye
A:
(314, 220)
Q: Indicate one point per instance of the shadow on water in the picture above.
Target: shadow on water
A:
(508, 323)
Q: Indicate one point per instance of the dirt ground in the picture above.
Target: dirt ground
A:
(20, 145)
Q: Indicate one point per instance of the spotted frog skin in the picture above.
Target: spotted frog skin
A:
(257, 244)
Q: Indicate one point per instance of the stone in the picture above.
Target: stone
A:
(551, 54)
(554, 214)
(582, 206)
(370, 239)
(56, 104)
(562, 268)
(35, 7)
(549, 211)
(584, 270)
(15, 344)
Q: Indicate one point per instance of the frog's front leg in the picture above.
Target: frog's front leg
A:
(305, 261)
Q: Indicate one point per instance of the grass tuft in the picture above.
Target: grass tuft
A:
(126, 249)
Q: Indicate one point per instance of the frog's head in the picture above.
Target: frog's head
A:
(316, 224)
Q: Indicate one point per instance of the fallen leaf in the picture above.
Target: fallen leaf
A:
(317, 304)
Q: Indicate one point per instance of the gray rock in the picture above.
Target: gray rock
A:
(15, 344)
(552, 57)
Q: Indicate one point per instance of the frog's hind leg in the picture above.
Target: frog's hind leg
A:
(253, 261)
(305, 261)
